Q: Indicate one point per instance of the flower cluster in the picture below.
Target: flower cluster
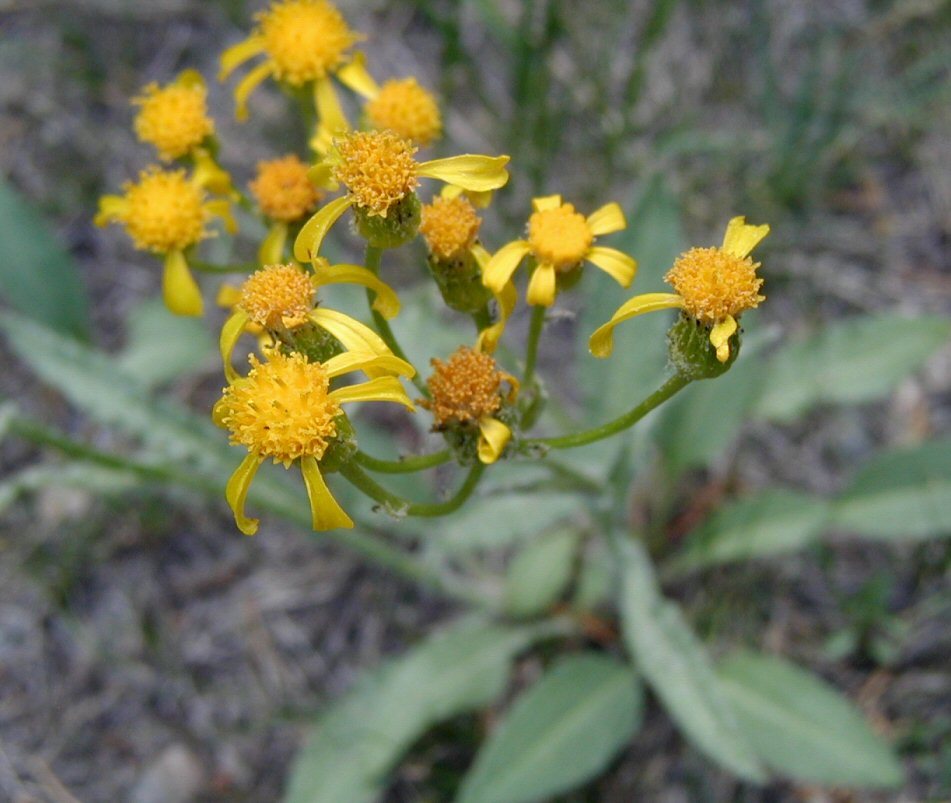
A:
(288, 405)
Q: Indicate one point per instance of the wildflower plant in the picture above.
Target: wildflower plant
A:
(486, 422)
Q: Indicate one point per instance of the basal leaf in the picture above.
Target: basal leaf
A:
(539, 573)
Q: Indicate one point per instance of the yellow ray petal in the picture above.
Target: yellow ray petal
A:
(619, 266)
(271, 251)
(325, 512)
(541, 287)
(236, 492)
(222, 208)
(179, 288)
(740, 237)
(228, 295)
(219, 411)
(489, 337)
(111, 209)
(312, 233)
(546, 202)
(190, 79)
(602, 341)
(238, 54)
(361, 360)
(322, 173)
(720, 336)
(353, 335)
(246, 86)
(493, 437)
(209, 174)
(230, 333)
(469, 171)
(497, 273)
(383, 388)
(355, 76)
(606, 220)
(387, 303)
(329, 111)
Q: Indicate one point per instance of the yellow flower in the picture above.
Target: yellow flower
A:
(467, 391)
(405, 107)
(378, 170)
(282, 297)
(284, 409)
(285, 195)
(559, 240)
(166, 212)
(174, 118)
(450, 226)
(714, 286)
(302, 41)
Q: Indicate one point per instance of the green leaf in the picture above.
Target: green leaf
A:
(162, 346)
(540, 572)
(900, 495)
(803, 728)
(79, 475)
(562, 731)
(678, 669)
(598, 577)
(361, 737)
(38, 276)
(639, 362)
(857, 361)
(769, 523)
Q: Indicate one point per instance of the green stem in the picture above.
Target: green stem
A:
(531, 350)
(404, 465)
(371, 262)
(209, 267)
(399, 506)
(662, 394)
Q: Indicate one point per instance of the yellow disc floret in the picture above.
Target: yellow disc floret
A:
(281, 409)
(173, 118)
(464, 389)
(449, 226)
(377, 168)
(164, 211)
(305, 39)
(714, 283)
(560, 237)
(277, 295)
(283, 190)
(403, 106)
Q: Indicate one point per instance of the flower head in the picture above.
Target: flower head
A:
(174, 118)
(404, 107)
(302, 41)
(278, 295)
(284, 410)
(380, 173)
(714, 286)
(559, 240)
(282, 189)
(449, 226)
(467, 391)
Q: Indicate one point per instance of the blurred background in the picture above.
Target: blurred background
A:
(150, 653)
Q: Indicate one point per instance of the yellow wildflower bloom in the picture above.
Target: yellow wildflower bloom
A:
(302, 41)
(559, 240)
(174, 118)
(378, 170)
(166, 212)
(467, 390)
(714, 286)
(285, 195)
(281, 297)
(284, 410)
(450, 226)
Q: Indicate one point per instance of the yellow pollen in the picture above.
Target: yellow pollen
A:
(449, 226)
(173, 118)
(281, 409)
(283, 190)
(464, 389)
(715, 284)
(277, 295)
(305, 39)
(407, 109)
(164, 211)
(377, 168)
(559, 237)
